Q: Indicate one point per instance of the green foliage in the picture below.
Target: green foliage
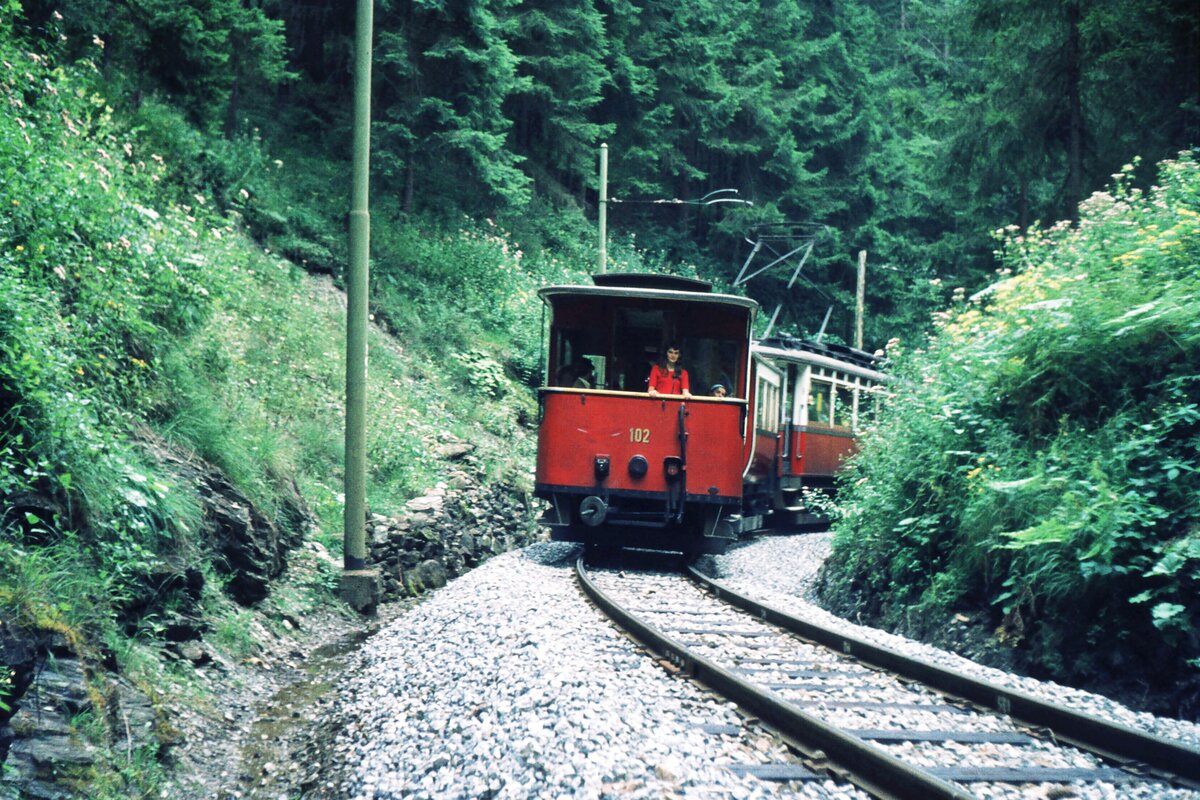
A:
(53, 588)
(483, 373)
(285, 205)
(6, 687)
(433, 127)
(94, 286)
(119, 772)
(1049, 91)
(1040, 455)
(444, 293)
(909, 129)
(143, 145)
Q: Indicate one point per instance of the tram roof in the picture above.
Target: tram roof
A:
(551, 293)
(817, 355)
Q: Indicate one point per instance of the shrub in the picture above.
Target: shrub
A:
(1040, 456)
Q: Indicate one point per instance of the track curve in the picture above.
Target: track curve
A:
(814, 686)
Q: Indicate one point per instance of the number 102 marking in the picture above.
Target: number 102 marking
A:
(639, 435)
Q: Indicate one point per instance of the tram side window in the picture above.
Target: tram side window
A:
(843, 406)
(818, 403)
(578, 358)
(768, 407)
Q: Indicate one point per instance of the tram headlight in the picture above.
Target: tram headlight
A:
(638, 467)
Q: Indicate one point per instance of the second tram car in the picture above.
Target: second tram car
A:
(621, 467)
(812, 400)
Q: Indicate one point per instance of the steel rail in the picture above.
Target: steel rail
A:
(869, 767)
(1101, 736)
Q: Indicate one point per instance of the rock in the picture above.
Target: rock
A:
(253, 548)
(433, 574)
(41, 741)
(429, 502)
(668, 770)
(132, 717)
(453, 451)
(194, 653)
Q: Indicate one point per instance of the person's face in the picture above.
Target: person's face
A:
(672, 355)
(720, 392)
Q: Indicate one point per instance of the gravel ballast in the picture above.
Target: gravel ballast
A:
(780, 571)
(508, 683)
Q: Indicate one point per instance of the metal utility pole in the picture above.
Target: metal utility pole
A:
(603, 207)
(359, 584)
(859, 295)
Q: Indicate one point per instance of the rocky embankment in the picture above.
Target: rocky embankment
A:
(215, 747)
(67, 707)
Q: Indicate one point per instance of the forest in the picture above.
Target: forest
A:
(174, 188)
(907, 128)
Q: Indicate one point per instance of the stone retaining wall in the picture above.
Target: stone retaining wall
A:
(445, 533)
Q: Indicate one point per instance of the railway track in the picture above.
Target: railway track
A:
(893, 726)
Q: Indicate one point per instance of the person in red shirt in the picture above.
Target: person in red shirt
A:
(668, 377)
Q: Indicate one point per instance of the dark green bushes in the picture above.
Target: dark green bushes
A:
(1040, 458)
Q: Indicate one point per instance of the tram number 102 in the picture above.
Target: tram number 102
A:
(639, 435)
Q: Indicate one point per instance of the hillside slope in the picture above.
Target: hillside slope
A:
(171, 428)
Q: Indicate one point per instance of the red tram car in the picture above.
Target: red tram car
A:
(812, 400)
(620, 467)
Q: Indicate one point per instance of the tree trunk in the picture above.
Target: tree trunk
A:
(233, 107)
(409, 180)
(1023, 203)
(1075, 141)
